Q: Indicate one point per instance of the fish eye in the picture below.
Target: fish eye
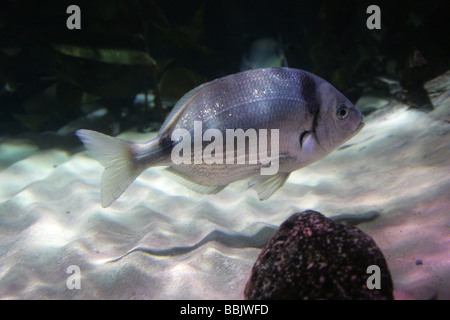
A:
(342, 111)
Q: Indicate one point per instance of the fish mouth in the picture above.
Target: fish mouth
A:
(360, 126)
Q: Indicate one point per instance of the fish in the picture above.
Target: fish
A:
(303, 117)
(263, 53)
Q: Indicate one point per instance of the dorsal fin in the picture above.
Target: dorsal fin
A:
(178, 108)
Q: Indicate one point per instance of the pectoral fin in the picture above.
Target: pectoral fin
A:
(308, 145)
(266, 186)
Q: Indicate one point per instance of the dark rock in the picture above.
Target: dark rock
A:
(313, 257)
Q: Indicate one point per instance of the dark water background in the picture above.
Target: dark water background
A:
(50, 75)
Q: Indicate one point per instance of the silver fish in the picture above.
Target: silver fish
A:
(310, 116)
(263, 53)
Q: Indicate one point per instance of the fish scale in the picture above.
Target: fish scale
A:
(227, 93)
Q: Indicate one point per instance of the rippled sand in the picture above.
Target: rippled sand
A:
(163, 241)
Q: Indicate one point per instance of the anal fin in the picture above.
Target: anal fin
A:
(266, 186)
(185, 181)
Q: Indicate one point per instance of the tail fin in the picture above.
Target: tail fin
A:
(114, 154)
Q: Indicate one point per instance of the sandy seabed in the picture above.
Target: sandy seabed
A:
(161, 240)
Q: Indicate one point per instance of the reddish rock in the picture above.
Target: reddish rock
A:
(313, 257)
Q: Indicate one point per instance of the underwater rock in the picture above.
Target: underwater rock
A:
(313, 257)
